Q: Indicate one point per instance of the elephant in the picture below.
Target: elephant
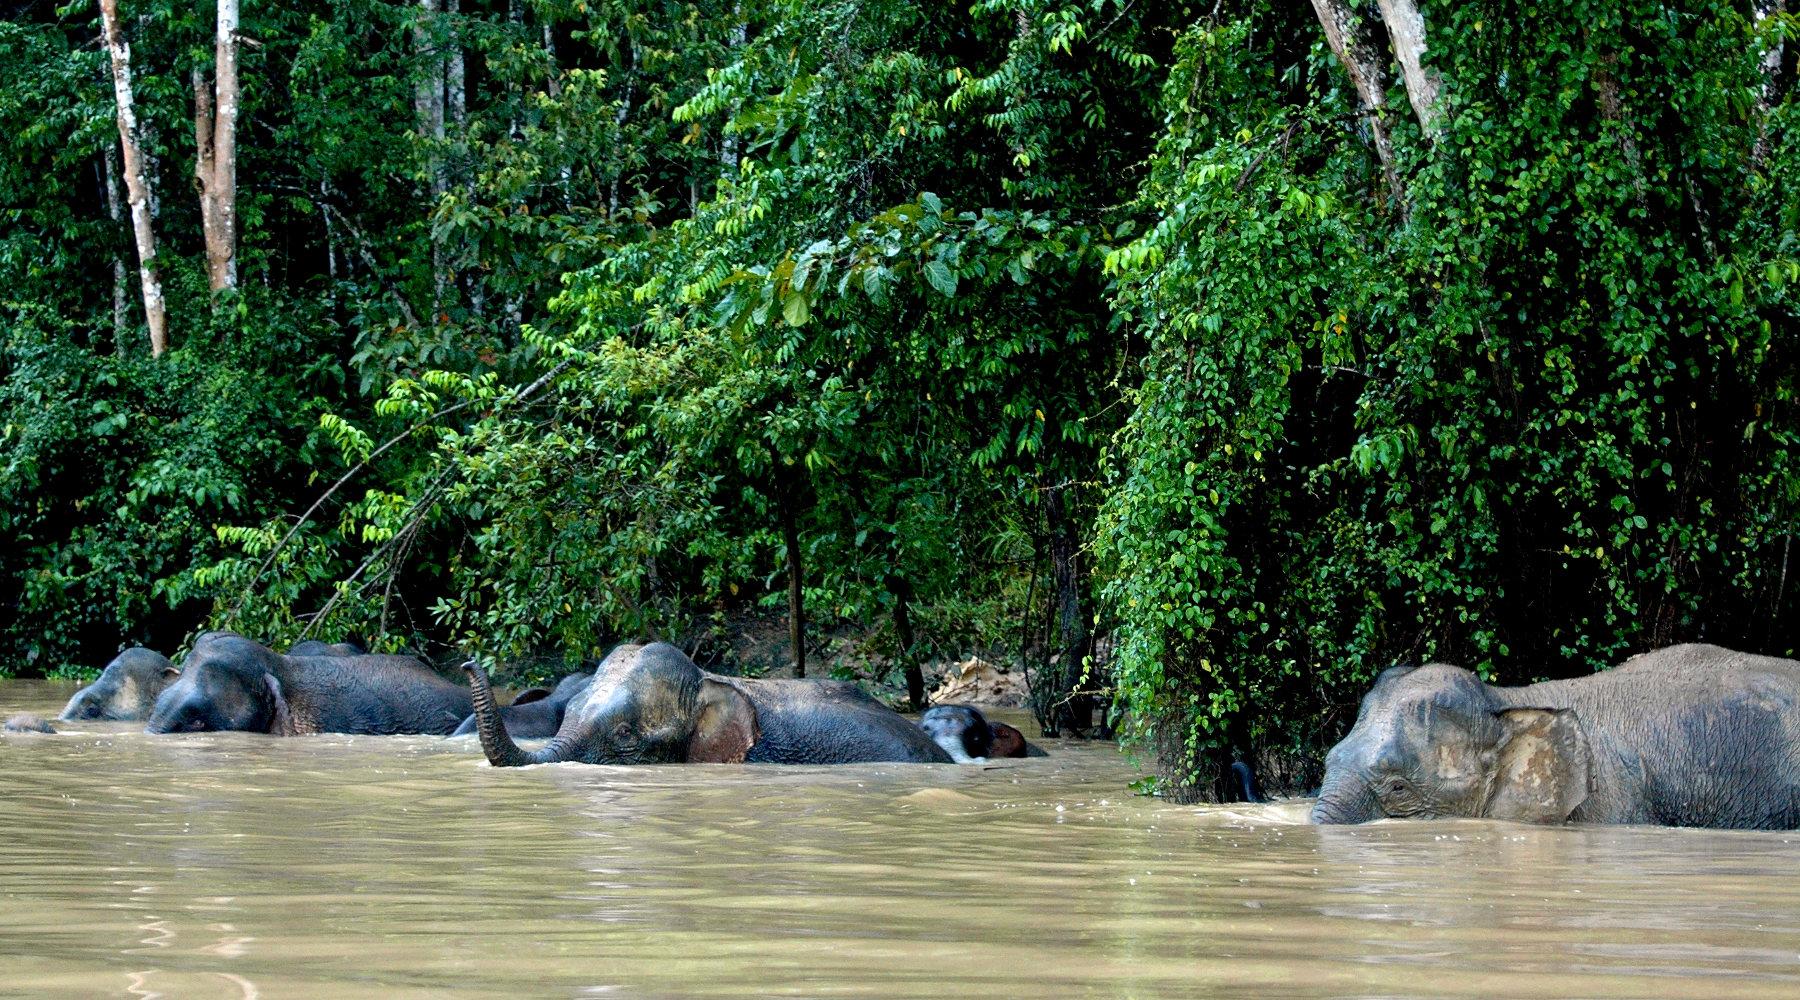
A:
(537, 713)
(651, 704)
(968, 737)
(229, 682)
(25, 722)
(313, 647)
(125, 690)
(1691, 735)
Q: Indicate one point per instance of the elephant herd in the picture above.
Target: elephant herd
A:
(1690, 735)
(641, 704)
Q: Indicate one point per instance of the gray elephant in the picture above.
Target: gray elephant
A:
(651, 704)
(537, 713)
(970, 737)
(25, 722)
(1685, 736)
(229, 682)
(125, 690)
(313, 647)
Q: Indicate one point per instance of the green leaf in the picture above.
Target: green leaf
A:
(941, 277)
(795, 309)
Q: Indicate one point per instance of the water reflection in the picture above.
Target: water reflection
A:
(231, 865)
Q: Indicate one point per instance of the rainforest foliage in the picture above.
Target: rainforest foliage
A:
(1201, 359)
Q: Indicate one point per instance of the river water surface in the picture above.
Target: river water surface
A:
(231, 865)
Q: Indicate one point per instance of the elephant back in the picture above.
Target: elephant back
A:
(820, 722)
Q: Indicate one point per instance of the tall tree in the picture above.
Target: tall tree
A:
(215, 151)
(137, 192)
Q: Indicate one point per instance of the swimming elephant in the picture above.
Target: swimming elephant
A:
(25, 722)
(1685, 736)
(230, 682)
(967, 735)
(125, 690)
(313, 647)
(651, 704)
(537, 713)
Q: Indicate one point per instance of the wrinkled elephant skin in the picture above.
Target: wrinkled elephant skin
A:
(1690, 735)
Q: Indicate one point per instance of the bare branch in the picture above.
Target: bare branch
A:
(528, 392)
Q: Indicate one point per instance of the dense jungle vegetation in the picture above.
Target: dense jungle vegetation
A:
(1203, 359)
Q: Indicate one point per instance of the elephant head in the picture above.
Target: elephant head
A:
(125, 690)
(227, 682)
(1437, 741)
(647, 704)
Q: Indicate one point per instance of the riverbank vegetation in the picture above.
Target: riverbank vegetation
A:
(1201, 359)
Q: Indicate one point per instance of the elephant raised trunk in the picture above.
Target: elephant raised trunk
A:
(495, 741)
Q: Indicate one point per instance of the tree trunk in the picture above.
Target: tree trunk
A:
(428, 95)
(1406, 31)
(428, 108)
(137, 193)
(331, 242)
(902, 590)
(1344, 33)
(790, 533)
(1762, 11)
(215, 152)
(728, 145)
(121, 297)
(456, 98)
(1074, 713)
(553, 87)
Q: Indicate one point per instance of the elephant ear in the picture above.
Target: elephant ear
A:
(530, 695)
(725, 726)
(171, 671)
(281, 722)
(1541, 766)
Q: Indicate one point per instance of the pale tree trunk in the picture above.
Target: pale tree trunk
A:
(215, 145)
(1406, 31)
(428, 106)
(1762, 11)
(331, 243)
(1349, 41)
(728, 146)
(148, 144)
(136, 192)
(461, 168)
(121, 297)
(428, 94)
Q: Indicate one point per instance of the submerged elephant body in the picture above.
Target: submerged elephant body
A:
(229, 682)
(1690, 735)
(537, 713)
(969, 737)
(651, 704)
(126, 690)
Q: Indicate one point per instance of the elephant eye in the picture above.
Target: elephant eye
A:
(1392, 785)
(622, 731)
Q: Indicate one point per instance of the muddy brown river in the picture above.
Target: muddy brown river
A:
(231, 865)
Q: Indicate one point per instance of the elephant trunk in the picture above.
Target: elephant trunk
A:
(79, 706)
(1345, 800)
(496, 742)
